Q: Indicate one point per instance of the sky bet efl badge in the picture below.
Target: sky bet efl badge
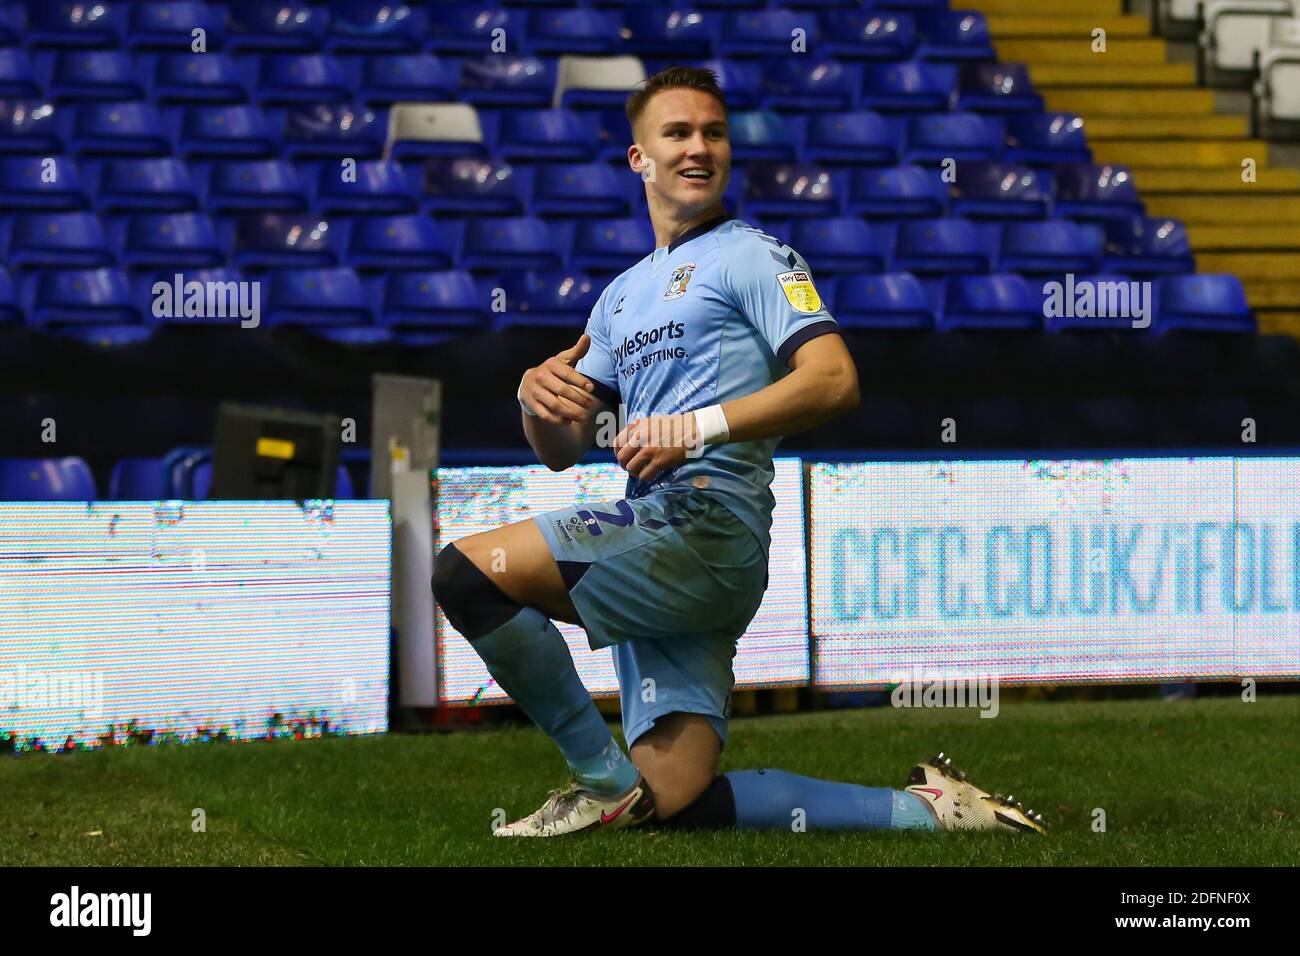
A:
(677, 284)
(799, 289)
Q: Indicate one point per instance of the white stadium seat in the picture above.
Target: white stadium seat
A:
(1278, 87)
(432, 123)
(614, 73)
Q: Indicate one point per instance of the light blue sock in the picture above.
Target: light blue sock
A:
(529, 660)
(772, 799)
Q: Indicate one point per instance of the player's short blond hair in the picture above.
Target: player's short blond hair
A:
(674, 77)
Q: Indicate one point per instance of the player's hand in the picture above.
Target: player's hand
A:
(556, 391)
(648, 447)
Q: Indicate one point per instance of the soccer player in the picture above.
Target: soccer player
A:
(718, 344)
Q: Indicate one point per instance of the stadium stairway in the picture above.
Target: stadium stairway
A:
(1141, 111)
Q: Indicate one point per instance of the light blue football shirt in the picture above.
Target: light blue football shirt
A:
(714, 316)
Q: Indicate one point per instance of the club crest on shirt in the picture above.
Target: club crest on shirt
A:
(800, 291)
(680, 278)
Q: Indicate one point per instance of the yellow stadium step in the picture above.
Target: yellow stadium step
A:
(1213, 181)
(1265, 266)
(1205, 236)
(1094, 102)
(1105, 72)
(1282, 322)
(1171, 154)
(1101, 129)
(1008, 27)
(1128, 52)
(1238, 210)
(1063, 8)
(1265, 294)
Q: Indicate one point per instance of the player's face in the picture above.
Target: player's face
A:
(683, 130)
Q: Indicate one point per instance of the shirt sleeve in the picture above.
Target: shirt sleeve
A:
(598, 363)
(771, 285)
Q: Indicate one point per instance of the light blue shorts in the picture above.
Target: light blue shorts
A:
(670, 580)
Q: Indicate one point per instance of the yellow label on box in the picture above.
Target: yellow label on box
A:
(274, 448)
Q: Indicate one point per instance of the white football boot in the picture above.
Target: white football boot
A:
(958, 805)
(575, 810)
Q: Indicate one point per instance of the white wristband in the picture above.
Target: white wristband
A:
(711, 425)
(520, 395)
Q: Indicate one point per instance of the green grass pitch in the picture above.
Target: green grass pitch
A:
(1205, 782)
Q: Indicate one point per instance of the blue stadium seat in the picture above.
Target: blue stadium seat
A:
(858, 137)
(289, 78)
(791, 189)
(275, 25)
(508, 80)
(759, 136)
(94, 75)
(868, 34)
(224, 130)
(797, 85)
(899, 191)
(838, 243)
(220, 303)
(251, 185)
(675, 31)
(516, 243)
(964, 137)
(614, 135)
(1001, 191)
(475, 186)
(445, 300)
(397, 242)
(1204, 303)
(11, 312)
(418, 77)
(1148, 246)
(56, 240)
(181, 240)
(583, 189)
(1002, 301)
(997, 88)
(547, 299)
(765, 33)
(144, 184)
(13, 23)
(1054, 246)
(741, 82)
(316, 297)
(322, 131)
(275, 240)
(1040, 139)
(610, 245)
(30, 126)
(376, 26)
(893, 300)
(211, 77)
(18, 78)
(561, 30)
(376, 187)
(87, 297)
(557, 135)
(470, 27)
(46, 183)
(137, 479)
(1085, 191)
(123, 129)
(46, 479)
(74, 23)
(170, 25)
(955, 35)
(945, 246)
(909, 85)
